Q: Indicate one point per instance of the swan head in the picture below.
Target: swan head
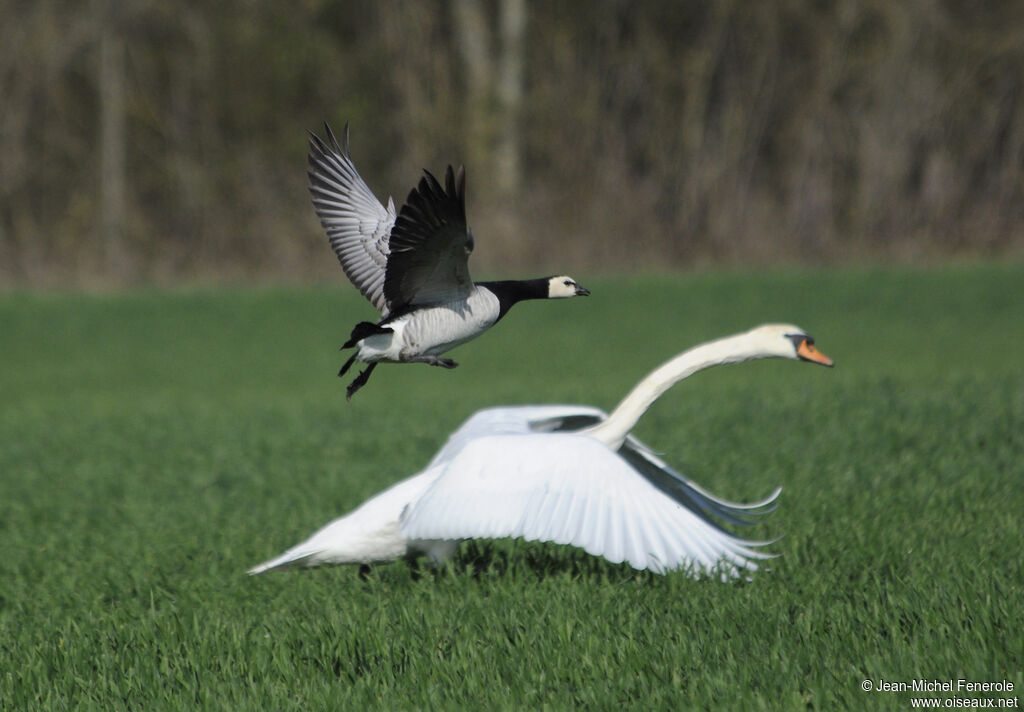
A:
(787, 341)
(562, 287)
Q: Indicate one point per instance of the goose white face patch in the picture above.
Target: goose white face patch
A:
(562, 287)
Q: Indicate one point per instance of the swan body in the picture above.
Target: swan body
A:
(566, 474)
(368, 534)
(412, 265)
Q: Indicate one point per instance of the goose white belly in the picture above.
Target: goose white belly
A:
(432, 330)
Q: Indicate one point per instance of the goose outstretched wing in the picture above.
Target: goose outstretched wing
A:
(357, 225)
(430, 245)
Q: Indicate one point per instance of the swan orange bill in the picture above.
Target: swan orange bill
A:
(807, 352)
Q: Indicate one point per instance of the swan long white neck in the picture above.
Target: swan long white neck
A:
(731, 349)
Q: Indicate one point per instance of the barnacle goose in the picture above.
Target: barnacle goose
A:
(413, 266)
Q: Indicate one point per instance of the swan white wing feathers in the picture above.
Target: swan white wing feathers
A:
(512, 420)
(568, 489)
(357, 225)
(689, 493)
(525, 419)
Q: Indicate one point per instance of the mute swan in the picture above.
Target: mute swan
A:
(413, 267)
(565, 474)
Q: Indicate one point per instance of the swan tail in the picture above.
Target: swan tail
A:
(286, 560)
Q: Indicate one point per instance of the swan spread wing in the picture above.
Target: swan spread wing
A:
(526, 419)
(569, 489)
(513, 420)
(357, 225)
(689, 493)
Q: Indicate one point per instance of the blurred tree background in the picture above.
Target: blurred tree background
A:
(152, 142)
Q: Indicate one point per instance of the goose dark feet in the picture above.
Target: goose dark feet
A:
(432, 360)
(359, 381)
(347, 366)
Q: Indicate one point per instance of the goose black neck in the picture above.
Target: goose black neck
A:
(511, 291)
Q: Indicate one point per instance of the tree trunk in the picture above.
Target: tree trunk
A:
(508, 175)
(112, 144)
(474, 41)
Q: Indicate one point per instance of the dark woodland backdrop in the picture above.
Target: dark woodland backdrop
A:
(151, 142)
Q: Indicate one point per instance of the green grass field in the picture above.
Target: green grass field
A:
(155, 445)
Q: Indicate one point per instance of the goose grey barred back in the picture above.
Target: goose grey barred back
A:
(412, 265)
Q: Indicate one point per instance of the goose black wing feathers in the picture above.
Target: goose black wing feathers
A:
(430, 245)
(357, 224)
